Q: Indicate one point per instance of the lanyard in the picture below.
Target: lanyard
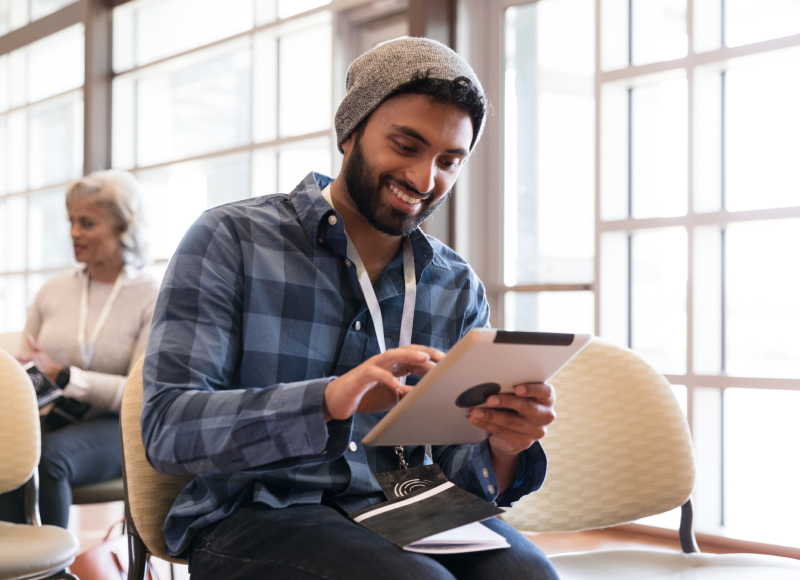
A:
(410, 276)
(87, 349)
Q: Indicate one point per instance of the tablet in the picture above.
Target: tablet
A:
(483, 363)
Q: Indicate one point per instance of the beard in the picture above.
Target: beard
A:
(364, 188)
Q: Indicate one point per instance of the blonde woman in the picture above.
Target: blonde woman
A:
(85, 330)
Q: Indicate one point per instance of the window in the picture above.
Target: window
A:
(689, 255)
(219, 111)
(41, 150)
(548, 196)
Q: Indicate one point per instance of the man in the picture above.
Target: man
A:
(265, 365)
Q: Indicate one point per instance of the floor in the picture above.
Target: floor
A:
(90, 523)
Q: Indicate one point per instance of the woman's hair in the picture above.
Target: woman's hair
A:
(117, 193)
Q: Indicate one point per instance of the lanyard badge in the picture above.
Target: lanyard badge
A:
(87, 348)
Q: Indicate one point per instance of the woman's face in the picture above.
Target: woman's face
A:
(95, 236)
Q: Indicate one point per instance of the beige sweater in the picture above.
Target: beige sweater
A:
(53, 323)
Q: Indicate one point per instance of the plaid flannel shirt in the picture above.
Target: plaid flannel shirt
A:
(258, 311)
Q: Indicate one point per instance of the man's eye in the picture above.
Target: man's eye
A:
(404, 147)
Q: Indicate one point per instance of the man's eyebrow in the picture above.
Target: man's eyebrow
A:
(415, 135)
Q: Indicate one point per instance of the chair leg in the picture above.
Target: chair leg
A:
(137, 558)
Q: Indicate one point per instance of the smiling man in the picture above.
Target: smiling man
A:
(283, 331)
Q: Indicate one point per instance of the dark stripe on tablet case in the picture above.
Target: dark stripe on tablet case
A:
(545, 338)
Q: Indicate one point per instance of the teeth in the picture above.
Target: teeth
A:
(403, 196)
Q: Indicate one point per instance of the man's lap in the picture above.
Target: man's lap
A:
(315, 541)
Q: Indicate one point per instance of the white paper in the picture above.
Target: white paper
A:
(473, 537)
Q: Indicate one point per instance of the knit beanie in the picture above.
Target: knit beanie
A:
(376, 74)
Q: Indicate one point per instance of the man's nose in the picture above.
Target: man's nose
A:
(422, 176)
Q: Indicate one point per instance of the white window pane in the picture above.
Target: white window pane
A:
(5, 97)
(194, 106)
(659, 30)
(762, 310)
(288, 8)
(658, 298)
(201, 22)
(3, 156)
(174, 196)
(614, 152)
(569, 312)
(41, 8)
(13, 232)
(17, 71)
(16, 151)
(49, 242)
(299, 159)
(707, 305)
(761, 475)
(304, 107)
(13, 15)
(549, 132)
(762, 123)
(659, 149)
(55, 64)
(707, 168)
(123, 122)
(12, 303)
(747, 21)
(55, 141)
(614, 34)
(614, 287)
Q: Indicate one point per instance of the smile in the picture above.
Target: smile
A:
(406, 198)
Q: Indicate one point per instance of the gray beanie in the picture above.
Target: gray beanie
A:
(376, 74)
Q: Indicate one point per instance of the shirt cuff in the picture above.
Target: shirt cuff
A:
(530, 476)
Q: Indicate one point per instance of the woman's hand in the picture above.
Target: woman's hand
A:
(372, 386)
(41, 360)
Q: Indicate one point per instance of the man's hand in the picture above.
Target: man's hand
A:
(511, 433)
(372, 386)
(41, 360)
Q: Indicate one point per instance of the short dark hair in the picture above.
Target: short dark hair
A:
(460, 92)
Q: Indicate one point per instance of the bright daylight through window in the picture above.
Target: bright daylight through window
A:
(645, 160)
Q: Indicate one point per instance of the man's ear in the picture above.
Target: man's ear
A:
(347, 144)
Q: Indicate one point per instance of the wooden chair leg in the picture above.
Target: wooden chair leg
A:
(137, 558)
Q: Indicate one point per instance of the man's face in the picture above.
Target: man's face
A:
(400, 169)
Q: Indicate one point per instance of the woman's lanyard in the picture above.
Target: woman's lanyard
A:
(410, 276)
(87, 349)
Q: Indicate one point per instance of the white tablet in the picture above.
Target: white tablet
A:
(483, 363)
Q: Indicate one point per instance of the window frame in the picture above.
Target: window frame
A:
(482, 25)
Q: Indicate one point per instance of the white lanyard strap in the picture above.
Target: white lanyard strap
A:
(87, 349)
(409, 273)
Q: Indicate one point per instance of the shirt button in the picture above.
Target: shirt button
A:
(358, 325)
(485, 473)
(353, 446)
(348, 262)
(490, 487)
(332, 220)
(320, 240)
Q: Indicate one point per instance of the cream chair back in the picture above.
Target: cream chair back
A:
(9, 341)
(619, 449)
(149, 494)
(20, 435)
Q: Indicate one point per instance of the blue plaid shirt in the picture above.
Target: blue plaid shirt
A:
(256, 314)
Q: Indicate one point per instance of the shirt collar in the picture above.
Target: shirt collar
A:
(314, 212)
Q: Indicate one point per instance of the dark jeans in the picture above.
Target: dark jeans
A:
(314, 541)
(78, 454)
